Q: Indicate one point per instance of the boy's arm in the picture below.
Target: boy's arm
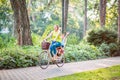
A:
(65, 38)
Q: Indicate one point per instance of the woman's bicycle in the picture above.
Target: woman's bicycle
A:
(45, 58)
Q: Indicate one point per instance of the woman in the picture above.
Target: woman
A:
(56, 41)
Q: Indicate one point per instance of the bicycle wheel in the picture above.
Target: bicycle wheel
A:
(61, 60)
(44, 60)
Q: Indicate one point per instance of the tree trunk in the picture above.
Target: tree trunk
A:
(29, 7)
(102, 12)
(66, 3)
(119, 21)
(62, 16)
(21, 21)
(85, 19)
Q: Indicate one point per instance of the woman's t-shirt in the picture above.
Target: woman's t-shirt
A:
(56, 34)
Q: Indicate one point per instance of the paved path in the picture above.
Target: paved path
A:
(36, 73)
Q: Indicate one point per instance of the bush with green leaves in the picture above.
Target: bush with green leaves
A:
(36, 39)
(6, 40)
(109, 49)
(25, 56)
(105, 39)
(18, 57)
(83, 51)
(72, 39)
(1, 42)
(99, 36)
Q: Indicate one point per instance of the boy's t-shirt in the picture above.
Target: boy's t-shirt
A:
(62, 43)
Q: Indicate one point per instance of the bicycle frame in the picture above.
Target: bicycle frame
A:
(47, 57)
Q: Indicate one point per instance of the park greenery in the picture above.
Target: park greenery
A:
(98, 42)
(111, 73)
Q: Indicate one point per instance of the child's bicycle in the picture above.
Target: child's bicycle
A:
(45, 57)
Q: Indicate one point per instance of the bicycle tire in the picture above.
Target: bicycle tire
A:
(60, 62)
(44, 60)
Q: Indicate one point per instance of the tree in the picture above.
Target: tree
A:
(102, 12)
(21, 22)
(62, 16)
(85, 18)
(65, 4)
(119, 21)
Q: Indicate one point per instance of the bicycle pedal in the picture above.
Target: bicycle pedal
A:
(58, 60)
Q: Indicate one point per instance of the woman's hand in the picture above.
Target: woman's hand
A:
(44, 40)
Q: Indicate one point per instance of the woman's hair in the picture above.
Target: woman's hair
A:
(56, 26)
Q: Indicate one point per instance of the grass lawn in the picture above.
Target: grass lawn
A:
(111, 73)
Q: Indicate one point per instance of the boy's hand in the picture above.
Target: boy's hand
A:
(67, 33)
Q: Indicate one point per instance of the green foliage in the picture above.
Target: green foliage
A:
(17, 57)
(109, 49)
(1, 43)
(83, 51)
(104, 47)
(112, 14)
(72, 39)
(6, 40)
(5, 14)
(106, 39)
(99, 36)
(36, 39)
(47, 31)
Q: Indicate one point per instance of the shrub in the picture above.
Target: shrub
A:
(1, 43)
(36, 39)
(105, 39)
(83, 51)
(6, 40)
(17, 57)
(99, 36)
(109, 49)
(72, 39)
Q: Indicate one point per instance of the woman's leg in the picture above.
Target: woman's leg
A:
(53, 50)
(56, 45)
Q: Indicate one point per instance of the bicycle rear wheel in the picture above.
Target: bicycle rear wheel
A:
(61, 60)
(44, 60)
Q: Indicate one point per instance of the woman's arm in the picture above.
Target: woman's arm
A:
(49, 35)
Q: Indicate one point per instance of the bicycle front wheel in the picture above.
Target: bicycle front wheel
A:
(44, 60)
(61, 60)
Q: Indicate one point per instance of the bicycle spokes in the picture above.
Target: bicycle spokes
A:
(44, 60)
